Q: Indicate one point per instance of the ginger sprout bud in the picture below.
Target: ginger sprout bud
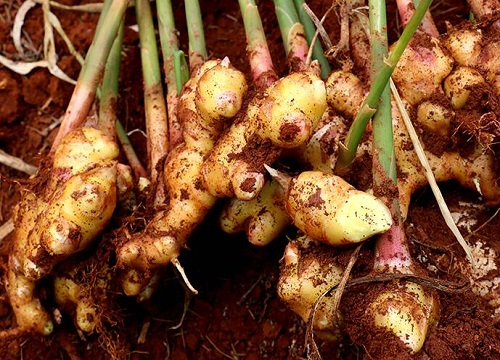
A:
(133, 282)
(220, 92)
(86, 315)
(292, 110)
(421, 69)
(246, 184)
(69, 294)
(89, 200)
(147, 252)
(124, 181)
(61, 237)
(263, 218)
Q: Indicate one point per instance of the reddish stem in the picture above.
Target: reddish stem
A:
(259, 57)
(299, 48)
(392, 252)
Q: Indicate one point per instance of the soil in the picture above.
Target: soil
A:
(237, 313)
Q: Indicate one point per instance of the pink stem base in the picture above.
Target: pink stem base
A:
(391, 251)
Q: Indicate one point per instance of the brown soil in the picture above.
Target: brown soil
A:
(237, 313)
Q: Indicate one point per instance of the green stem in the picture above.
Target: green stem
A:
(196, 35)
(383, 141)
(170, 46)
(168, 39)
(105, 7)
(391, 246)
(108, 121)
(109, 90)
(181, 69)
(154, 101)
(91, 73)
(176, 73)
(261, 63)
(310, 31)
(348, 151)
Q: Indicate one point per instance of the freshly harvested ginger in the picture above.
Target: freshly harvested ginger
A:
(211, 97)
(77, 204)
(476, 171)
(263, 218)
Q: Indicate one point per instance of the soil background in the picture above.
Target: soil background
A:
(237, 314)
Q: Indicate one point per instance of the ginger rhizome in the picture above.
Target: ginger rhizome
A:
(210, 99)
(263, 218)
(78, 201)
(442, 80)
(330, 210)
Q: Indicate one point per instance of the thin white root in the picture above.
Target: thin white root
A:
(184, 277)
(17, 163)
(18, 24)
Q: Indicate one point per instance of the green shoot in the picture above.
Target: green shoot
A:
(347, 152)
(169, 45)
(108, 95)
(292, 31)
(154, 101)
(181, 69)
(109, 89)
(196, 35)
(391, 246)
(91, 73)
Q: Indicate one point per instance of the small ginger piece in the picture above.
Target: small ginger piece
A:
(458, 85)
(308, 270)
(263, 218)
